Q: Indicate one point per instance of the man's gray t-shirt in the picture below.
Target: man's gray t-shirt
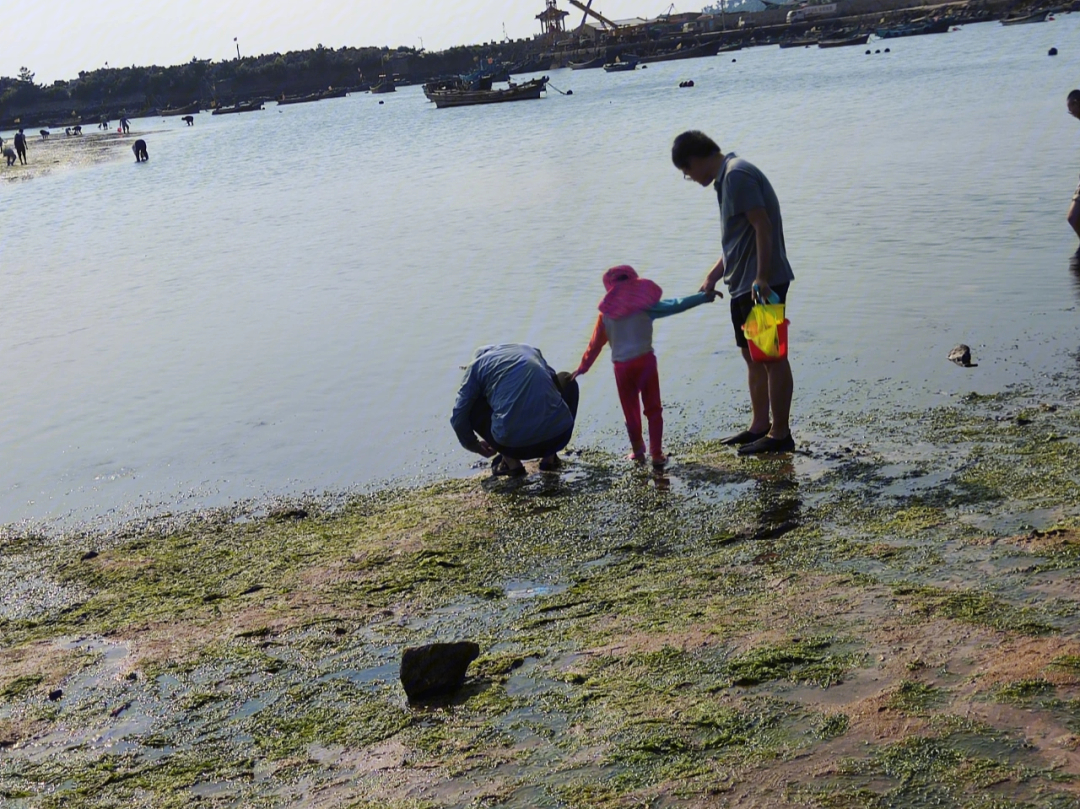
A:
(742, 187)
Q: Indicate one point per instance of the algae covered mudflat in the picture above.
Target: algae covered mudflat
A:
(885, 622)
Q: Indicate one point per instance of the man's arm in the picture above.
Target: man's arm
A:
(459, 420)
(763, 236)
(715, 274)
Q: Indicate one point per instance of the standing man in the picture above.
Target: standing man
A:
(1074, 209)
(20, 146)
(753, 257)
(517, 405)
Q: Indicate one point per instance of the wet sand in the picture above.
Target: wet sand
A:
(889, 619)
(61, 152)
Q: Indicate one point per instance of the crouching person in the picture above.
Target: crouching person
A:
(513, 406)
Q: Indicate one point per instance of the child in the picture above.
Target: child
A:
(626, 315)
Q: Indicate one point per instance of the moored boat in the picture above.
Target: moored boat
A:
(249, 106)
(915, 28)
(622, 63)
(463, 97)
(691, 52)
(589, 64)
(385, 84)
(841, 42)
(190, 109)
(798, 42)
(1039, 16)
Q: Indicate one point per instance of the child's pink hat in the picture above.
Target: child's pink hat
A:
(626, 293)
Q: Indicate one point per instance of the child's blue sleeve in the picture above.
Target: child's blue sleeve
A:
(672, 306)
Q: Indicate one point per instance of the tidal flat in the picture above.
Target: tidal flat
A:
(886, 618)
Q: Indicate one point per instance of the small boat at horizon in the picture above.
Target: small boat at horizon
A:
(843, 42)
(622, 63)
(249, 106)
(589, 64)
(692, 52)
(465, 97)
(915, 28)
(1038, 16)
(190, 109)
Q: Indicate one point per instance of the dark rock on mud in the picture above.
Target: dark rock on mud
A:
(437, 669)
(56, 696)
(86, 557)
(961, 355)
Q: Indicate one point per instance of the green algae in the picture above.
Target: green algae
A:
(21, 686)
(816, 661)
(974, 607)
(625, 655)
(1023, 691)
(915, 697)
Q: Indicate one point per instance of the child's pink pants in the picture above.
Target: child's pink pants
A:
(639, 377)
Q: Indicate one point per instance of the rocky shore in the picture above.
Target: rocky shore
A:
(887, 618)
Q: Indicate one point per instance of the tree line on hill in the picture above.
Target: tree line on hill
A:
(112, 91)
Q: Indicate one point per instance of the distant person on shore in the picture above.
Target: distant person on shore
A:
(125, 125)
(139, 148)
(517, 405)
(753, 262)
(20, 146)
(9, 155)
(627, 312)
(1074, 209)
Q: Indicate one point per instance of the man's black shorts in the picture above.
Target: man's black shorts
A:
(741, 306)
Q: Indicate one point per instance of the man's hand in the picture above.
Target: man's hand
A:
(762, 290)
(711, 294)
(486, 449)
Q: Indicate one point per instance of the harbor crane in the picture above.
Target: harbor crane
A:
(587, 8)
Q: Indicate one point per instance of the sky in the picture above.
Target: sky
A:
(57, 38)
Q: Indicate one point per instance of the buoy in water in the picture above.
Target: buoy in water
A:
(569, 92)
(878, 50)
(732, 60)
(1052, 52)
(867, 52)
(886, 50)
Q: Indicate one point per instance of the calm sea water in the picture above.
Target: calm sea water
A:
(279, 302)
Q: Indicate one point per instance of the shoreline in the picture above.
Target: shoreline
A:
(889, 619)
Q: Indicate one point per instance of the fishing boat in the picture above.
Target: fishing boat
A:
(248, 106)
(691, 52)
(841, 42)
(799, 42)
(385, 84)
(190, 109)
(915, 28)
(622, 63)
(734, 46)
(464, 97)
(589, 64)
(1038, 16)
(319, 96)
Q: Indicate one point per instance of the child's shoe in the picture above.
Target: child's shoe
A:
(637, 456)
(659, 461)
